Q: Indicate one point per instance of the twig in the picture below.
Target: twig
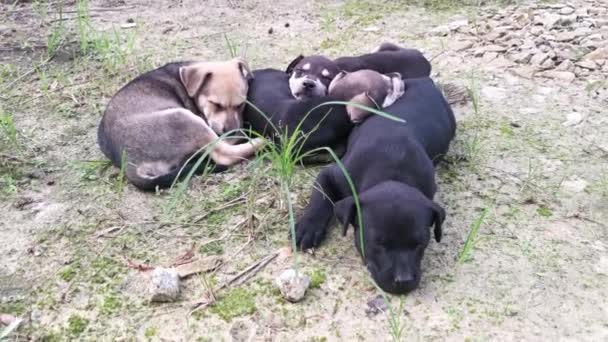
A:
(185, 258)
(232, 203)
(237, 280)
(138, 266)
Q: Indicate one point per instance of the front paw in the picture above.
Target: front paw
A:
(309, 234)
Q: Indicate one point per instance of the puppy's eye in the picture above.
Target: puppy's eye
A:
(217, 105)
(298, 72)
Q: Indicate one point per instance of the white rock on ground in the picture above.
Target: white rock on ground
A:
(293, 286)
(164, 285)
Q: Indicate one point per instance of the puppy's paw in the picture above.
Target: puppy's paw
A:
(309, 234)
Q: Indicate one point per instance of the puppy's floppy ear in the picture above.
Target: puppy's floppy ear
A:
(335, 80)
(293, 64)
(345, 211)
(194, 76)
(244, 68)
(438, 218)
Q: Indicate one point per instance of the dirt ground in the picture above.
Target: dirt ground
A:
(532, 152)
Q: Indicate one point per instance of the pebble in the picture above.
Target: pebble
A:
(573, 119)
(576, 185)
(566, 65)
(293, 286)
(587, 64)
(164, 285)
(455, 25)
(566, 10)
(376, 305)
(539, 58)
(440, 31)
(601, 53)
(565, 76)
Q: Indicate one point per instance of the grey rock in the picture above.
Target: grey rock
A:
(440, 31)
(587, 64)
(565, 36)
(573, 119)
(489, 56)
(566, 10)
(575, 185)
(293, 286)
(566, 21)
(462, 45)
(522, 57)
(566, 65)
(539, 58)
(601, 53)
(494, 48)
(455, 25)
(548, 20)
(536, 30)
(164, 285)
(376, 305)
(547, 64)
(564, 76)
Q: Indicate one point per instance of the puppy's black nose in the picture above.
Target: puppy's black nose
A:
(308, 84)
(405, 282)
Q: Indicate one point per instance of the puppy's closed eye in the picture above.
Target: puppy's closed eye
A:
(217, 105)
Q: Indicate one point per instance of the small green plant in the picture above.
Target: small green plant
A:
(474, 92)
(544, 211)
(111, 304)
(151, 332)
(120, 180)
(76, 325)
(235, 49)
(394, 316)
(8, 131)
(317, 278)
(237, 302)
(68, 273)
(472, 237)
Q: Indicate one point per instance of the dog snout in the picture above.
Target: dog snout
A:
(309, 84)
(405, 282)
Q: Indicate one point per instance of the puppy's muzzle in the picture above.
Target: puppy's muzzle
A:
(309, 84)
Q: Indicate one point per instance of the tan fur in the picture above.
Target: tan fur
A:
(160, 129)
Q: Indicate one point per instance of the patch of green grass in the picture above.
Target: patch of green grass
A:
(68, 273)
(237, 302)
(544, 211)
(150, 332)
(213, 248)
(317, 278)
(106, 270)
(17, 308)
(76, 325)
(8, 131)
(472, 238)
(110, 305)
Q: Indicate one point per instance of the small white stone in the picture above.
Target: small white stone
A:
(575, 185)
(293, 286)
(573, 119)
(566, 10)
(601, 266)
(164, 285)
(440, 31)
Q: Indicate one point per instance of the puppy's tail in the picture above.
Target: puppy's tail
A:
(454, 93)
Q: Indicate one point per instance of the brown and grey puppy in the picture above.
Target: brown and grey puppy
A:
(310, 76)
(368, 88)
(163, 117)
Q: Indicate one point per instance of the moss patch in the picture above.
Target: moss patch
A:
(237, 302)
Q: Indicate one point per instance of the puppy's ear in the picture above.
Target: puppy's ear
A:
(194, 77)
(333, 82)
(244, 68)
(345, 211)
(438, 218)
(293, 64)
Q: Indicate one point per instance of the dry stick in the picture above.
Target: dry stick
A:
(232, 203)
(242, 277)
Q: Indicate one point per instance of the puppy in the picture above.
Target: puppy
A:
(368, 88)
(388, 58)
(163, 117)
(275, 111)
(310, 76)
(391, 165)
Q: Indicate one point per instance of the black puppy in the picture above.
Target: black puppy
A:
(310, 76)
(392, 167)
(269, 91)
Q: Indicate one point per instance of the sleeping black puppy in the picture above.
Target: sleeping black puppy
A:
(392, 167)
(269, 91)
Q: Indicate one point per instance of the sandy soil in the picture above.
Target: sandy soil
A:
(537, 270)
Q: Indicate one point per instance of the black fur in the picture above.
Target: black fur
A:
(392, 167)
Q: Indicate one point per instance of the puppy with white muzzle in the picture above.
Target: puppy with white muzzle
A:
(310, 76)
